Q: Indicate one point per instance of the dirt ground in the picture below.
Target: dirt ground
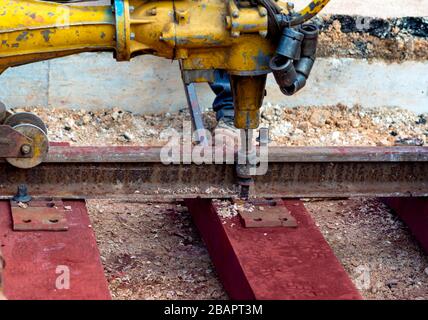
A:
(390, 40)
(375, 247)
(305, 126)
(152, 250)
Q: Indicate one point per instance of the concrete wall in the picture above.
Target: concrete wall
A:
(96, 80)
(149, 84)
(351, 82)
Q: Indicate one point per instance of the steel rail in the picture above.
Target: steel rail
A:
(138, 173)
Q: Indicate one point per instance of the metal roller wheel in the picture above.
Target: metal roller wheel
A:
(25, 118)
(39, 146)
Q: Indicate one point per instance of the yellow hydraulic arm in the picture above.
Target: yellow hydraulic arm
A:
(311, 10)
(35, 30)
(204, 34)
(247, 38)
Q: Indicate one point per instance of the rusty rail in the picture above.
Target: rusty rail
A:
(136, 172)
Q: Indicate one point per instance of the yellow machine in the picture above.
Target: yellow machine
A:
(248, 38)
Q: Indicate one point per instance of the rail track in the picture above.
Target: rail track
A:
(295, 255)
(138, 173)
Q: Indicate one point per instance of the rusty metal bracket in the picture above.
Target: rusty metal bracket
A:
(263, 213)
(39, 215)
(14, 144)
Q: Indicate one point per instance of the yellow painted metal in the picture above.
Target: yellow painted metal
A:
(203, 34)
(311, 10)
(314, 7)
(123, 36)
(34, 30)
(39, 146)
(248, 93)
(196, 31)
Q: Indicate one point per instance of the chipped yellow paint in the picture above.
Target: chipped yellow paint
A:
(311, 10)
(199, 34)
(250, 91)
(32, 30)
(197, 30)
(205, 34)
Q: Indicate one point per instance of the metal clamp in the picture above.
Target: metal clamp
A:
(14, 144)
(123, 36)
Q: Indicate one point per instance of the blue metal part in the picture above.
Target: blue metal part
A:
(122, 38)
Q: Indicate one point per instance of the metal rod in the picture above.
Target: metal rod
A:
(195, 111)
(122, 154)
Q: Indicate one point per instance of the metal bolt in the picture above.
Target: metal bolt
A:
(22, 194)
(131, 9)
(132, 36)
(235, 34)
(25, 149)
(153, 11)
(235, 14)
(262, 12)
(245, 192)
